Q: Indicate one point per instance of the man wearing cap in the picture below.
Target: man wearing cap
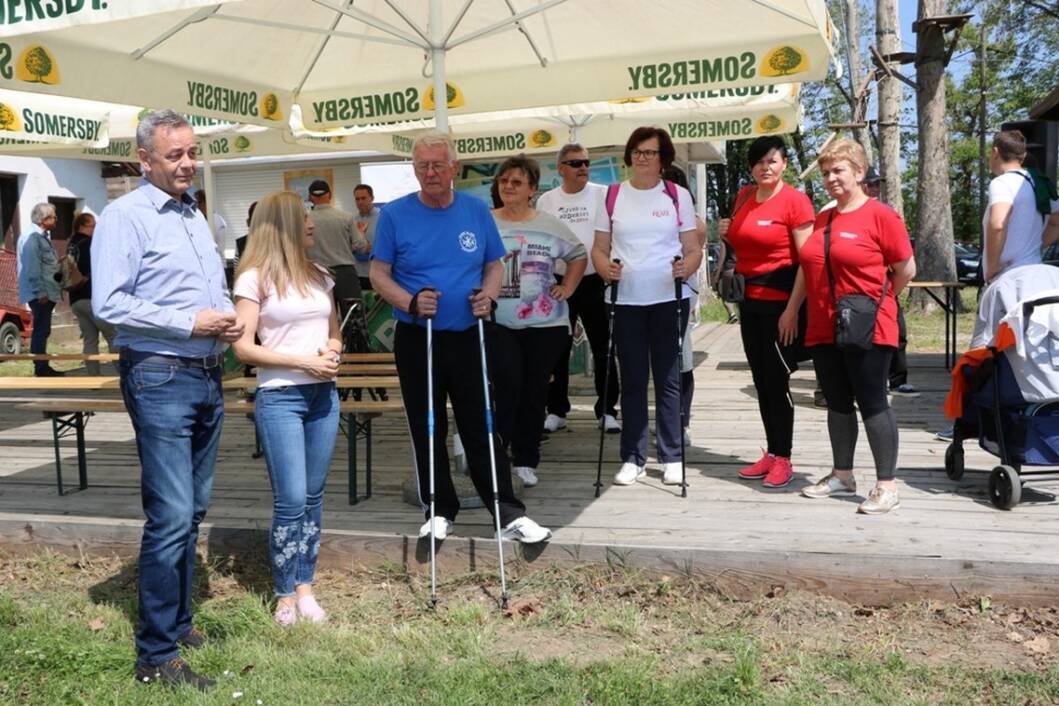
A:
(336, 239)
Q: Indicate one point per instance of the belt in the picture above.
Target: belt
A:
(205, 362)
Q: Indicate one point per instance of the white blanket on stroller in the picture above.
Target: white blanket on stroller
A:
(1035, 357)
(1005, 293)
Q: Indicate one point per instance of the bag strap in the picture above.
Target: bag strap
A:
(827, 261)
(1033, 190)
(612, 198)
(671, 190)
(740, 201)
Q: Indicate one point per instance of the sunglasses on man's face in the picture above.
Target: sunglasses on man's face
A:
(576, 163)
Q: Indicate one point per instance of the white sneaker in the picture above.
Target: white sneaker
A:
(526, 531)
(629, 474)
(671, 474)
(610, 424)
(527, 474)
(553, 422)
(442, 528)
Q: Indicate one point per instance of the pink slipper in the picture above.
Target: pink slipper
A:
(285, 615)
(310, 610)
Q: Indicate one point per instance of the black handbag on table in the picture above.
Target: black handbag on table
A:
(855, 314)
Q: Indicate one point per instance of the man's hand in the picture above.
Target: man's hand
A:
(210, 322)
(481, 305)
(427, 303)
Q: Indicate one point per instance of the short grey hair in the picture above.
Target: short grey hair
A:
(436, 138)
(567, 149)
(40, 212)
(166, 119)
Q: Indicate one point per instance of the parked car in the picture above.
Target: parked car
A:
(16, 322)
(968, 263)
(1050, 256)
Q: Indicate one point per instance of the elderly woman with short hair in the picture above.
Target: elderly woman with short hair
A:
(858, 248)
(37, 286)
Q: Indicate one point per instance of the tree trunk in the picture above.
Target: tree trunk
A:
(803, 162)
(888, 41)
(935, 257)
(856, 71)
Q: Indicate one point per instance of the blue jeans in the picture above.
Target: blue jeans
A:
(297, 425)
(38, 339)
(176, 412)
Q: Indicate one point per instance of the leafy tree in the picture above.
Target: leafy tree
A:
(7, 117)
(271, 105)
(38, 63)
(769, 123)
(784, 60)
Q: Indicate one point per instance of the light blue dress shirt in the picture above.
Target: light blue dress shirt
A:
(37, 265)
(155, 265)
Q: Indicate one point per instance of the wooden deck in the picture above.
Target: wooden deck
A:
(946, 541)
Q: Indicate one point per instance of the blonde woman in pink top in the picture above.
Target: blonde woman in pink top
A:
(285, 300)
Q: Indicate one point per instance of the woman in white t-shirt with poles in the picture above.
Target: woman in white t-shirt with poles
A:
(652, 224)
(286, 301)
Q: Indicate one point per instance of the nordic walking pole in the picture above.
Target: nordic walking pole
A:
(492, 458)
(678, 291)
(430, 462)
(606, 380)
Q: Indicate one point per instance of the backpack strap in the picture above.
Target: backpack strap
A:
(671, 190)
(612, 198)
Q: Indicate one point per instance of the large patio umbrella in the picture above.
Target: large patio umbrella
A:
(375, 61)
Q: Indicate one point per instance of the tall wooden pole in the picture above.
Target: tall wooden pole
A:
(888, 40)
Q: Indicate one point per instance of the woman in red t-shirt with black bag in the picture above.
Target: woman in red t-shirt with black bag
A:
(769, 222)
(856, 262)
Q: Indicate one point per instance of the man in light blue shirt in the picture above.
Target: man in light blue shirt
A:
(159, 279)
(37, 267)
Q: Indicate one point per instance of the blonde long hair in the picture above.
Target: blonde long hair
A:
(276, 246)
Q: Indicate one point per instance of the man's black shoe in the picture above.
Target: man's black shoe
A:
(193, 640)
(173, 673)
(49, 372)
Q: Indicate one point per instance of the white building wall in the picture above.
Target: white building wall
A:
(65, 178)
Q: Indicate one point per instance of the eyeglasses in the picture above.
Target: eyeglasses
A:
(425, 167)
(575, 163)
(644, 154)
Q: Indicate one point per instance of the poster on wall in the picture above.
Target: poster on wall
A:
(298, 180)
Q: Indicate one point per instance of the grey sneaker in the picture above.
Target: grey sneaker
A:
(831, 486)
(880, 501)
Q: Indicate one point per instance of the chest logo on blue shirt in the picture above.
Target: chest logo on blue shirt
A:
(468, 241)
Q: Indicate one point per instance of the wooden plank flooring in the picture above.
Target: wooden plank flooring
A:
(946, 539)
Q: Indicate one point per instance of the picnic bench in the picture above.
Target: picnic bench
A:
(69, 415)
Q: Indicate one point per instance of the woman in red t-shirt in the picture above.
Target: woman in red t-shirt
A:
(771, 219)
(868, 253)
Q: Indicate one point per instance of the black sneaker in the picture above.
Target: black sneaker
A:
(193, 640)
(174, 673)
(49, 372)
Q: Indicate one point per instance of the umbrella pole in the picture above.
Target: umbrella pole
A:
(437, 59)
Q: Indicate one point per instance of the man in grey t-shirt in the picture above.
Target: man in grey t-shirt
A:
(337, 238)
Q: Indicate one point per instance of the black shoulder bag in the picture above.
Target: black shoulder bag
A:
(731, 286)
(855, 314)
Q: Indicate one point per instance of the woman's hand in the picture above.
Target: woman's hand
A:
(787, 329)
(680, 269)
(722, 226)
(613, 273)
(560, 293)
(322, 366)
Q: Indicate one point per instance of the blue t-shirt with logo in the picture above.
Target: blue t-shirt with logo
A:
(444, 248)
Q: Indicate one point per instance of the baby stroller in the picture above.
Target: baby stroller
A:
(1009, 395)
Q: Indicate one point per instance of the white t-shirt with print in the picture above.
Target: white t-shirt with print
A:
(297, 324)
(1022, 246)
(578, 211)
(646, 238)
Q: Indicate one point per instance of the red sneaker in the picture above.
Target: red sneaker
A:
(780, 474)
(758, 470)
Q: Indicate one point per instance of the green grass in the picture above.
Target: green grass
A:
(592, 635)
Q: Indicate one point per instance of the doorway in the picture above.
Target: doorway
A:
(64, 222)
(9, 210)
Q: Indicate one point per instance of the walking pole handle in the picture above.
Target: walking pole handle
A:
(614, 286)
(413, 306)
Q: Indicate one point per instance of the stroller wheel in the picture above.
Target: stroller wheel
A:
(954, 461)
(1005, 487)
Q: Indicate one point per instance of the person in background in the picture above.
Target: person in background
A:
(80, 248)
(285, 302)
(652, 233)
(159, 280)
(240, 243)
(365, 218)
(335, 241)
(220, 226)
(38, 266)
(532, 320)
(576, 202)
(868, 252)
(770, 221)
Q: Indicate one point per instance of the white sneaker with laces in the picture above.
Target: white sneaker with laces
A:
(553, 422)
(527, 474)
(442, 528)
(671, 474)
(629, 474)
(610, 424)
(525, 530)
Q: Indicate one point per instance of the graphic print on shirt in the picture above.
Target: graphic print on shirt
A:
(468, 241)
(529, 273)
(572, 215)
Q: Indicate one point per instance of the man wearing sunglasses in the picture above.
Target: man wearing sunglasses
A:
(576, 203)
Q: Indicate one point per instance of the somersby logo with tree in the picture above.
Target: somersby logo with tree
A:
(783, 61)
(9, 121)
(37, 65)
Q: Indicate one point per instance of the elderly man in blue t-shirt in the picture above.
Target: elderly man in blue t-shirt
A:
(432, 249)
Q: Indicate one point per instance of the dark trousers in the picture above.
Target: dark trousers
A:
(176, 413)
(520, 362)
(457, 366)
(646, 339)
(38, 340)
(365, 284)
(899, 363)
(771, 366)
(589, 305)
